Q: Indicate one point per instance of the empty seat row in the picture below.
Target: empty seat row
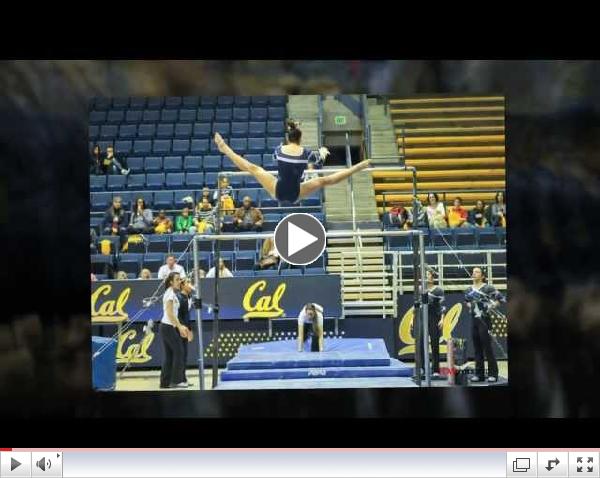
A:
(188, 115)
(236, 129)
(461, 238)
(170, 102)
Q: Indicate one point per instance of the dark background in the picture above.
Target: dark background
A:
(553, 134)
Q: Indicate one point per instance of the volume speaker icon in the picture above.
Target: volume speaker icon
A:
(43, 464)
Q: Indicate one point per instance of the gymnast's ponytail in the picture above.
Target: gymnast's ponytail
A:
(293, 132)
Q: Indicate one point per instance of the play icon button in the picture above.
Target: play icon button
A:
(300, 239)
(14, 464)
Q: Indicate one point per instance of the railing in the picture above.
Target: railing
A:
(366, 125)
(320, 122)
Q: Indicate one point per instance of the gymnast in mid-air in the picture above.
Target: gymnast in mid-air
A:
(292, 160)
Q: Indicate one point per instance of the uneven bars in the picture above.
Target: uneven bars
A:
(321, 171)
(265, 235)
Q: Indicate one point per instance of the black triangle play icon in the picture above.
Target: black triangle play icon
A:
(14, 464)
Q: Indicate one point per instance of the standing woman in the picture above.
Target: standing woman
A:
(171, 332)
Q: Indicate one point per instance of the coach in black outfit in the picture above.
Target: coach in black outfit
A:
(185, 304)
(435, 296)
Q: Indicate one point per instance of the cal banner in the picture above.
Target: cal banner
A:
(456, 324)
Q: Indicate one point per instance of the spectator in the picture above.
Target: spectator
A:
(121, 275)
(162, 223)
(115, 219)
(223, 271)
(477, 215)
(227, 202)
(497, 211)
(141, 221)
(201, 275)
(96, 158)
(145, 274)
(457, 214)
(93, 241)
(170, 266)
(205, 217)
(185, 222)
(248, 218)
(436, 213)
(206, 195)
(269, 257)
(113, 165)
(399, 216)
(93, 277)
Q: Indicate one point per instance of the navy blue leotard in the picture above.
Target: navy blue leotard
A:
(290, 169)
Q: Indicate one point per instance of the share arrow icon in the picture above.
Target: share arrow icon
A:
(550, 466)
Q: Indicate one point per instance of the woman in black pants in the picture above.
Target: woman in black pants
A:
(172, 331)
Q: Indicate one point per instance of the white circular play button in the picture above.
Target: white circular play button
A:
(300, 239)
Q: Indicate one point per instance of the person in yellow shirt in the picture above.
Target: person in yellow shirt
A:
(457, 214)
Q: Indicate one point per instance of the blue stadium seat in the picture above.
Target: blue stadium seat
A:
(153, 261)
(208, 101)
(183, 130)
(257, 128)
(125, 199)
(251, 182)
(260, 100)
(142, 146)
(222, 128)
(245, 260)
(212, 162)
(120, 103)
(465, 238)
(210, 180)
(266, 273)
(279, 100)
(172, 164)
(175, 180)
(239, 129)
(191, 101)
(109, 131)
(314, 271)
(187, 116)
(194, 180)
(202, 130)
(276, 128)
(258, 114)
(130, 263)
(229, 258)
(97, 117)
(228, 245)
(172, 102)
(101, 103)
(124, 146)
(181, 146)
(241, 114)
(272, 143)
(239, 145)
(225, 100)
(241, 101)
(227, 165)
(127, 131)
(158, 243)
(291, 272)
(239, 273)
(487, 238)
(161, 146)
(163, 200)
(168, 116)
(254, 158)
(246, 245)
(137, 103)
(155, 103)
(256, 145)
(152, 164)
(133, 116)
(192, 164)
(116, 182)
(146, 131)
(272, 217)
(101, 263)
(442, 239)
(165, 130)
(253, 193)
(102, 276)
(223, 114)
(100, 201)
(312, 200)
(97, 182)
(398, 243)
(179, 195)
(206, 116)
(105, 144)
(155, 180)
(269, 162)
(501, 233)
(115, 116)
(150, 116)
(184, 260)
(180, 242)
(94, 131)
(276, 113)
(319, 262)
(136, 181)
(199, 146)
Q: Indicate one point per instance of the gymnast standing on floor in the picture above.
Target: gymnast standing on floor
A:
(292, 160)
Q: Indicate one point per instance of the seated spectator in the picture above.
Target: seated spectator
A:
(112, 165)
(141, 221)
(497, 212)
(227, 202)
(93, 277)
(145, 274)
(436, 213)
(477, 215)
(115, 220)
(121, 275)
(457, 214)
(93, 241)
(170, 266)
(206, 195)
(201, 275)
(162, 224)
(269, 257)
(399, 216)
(248, 218)
(184, 224)
(96, 161)
(223, 271)
(205, 217)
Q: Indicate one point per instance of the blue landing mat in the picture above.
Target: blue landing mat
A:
(313, 383)
(338, 353)
(395, 369)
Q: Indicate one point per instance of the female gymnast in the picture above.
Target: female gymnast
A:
(292, 160)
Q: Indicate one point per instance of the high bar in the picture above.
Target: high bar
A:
(333, 234)
(321, 171)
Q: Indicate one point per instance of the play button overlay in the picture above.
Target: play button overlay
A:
(300, 239)
(14, 464)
